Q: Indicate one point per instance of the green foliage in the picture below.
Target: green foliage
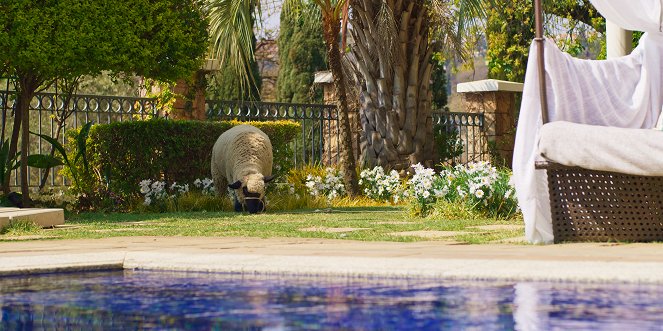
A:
(163, 39)
(439, 81)
(481, 187)
(20, 228)
(301, 53)
(509, 32)
(447, 143)
(46, 40)
(180, 197)
(228, 83)
(123, 154)
(79, 138)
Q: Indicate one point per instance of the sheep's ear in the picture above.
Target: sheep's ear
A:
(268, 179)
(235, 185)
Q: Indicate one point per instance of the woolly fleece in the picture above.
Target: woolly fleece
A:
(243, 153)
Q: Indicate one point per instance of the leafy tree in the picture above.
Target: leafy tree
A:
(301, 54)
(510, 30)
(47, 40)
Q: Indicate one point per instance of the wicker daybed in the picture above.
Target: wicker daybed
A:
(596, 205)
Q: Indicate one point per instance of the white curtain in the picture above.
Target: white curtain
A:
(623, 92)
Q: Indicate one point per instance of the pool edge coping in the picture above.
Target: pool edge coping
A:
(344, 266)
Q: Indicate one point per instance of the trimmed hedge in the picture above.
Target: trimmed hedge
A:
(120, 155)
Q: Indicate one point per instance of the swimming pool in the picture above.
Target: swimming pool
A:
(138, 300)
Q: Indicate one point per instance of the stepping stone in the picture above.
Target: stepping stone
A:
(43, 217)
(511, 227)
(514, 240)
(331, 230)
(431, 234)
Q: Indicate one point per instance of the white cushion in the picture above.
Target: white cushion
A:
(629, 151)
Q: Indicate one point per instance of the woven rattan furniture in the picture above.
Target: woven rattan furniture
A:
(591, 205)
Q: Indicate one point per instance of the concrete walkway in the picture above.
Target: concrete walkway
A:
(641, 263)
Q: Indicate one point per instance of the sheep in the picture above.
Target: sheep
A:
(242, 159)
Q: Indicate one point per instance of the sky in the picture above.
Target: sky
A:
(271, 17)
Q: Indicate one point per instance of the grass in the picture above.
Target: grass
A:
(376, 223)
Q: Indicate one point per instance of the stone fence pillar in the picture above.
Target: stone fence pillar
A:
(330, 129)
(190, 93)
(496, 99)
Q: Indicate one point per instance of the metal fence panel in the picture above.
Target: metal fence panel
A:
(468, 129)
(46, 117)
(318, 123)
(318, 142)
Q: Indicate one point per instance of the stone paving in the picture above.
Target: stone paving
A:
(591, 262)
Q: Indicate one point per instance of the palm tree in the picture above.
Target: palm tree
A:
(395, 94)
(230, 30)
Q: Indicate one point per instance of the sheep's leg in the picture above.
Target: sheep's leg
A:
(220, 182)
(238, 206)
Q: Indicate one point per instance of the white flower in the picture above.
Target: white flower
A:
(147, 201)
(479, 194)
(441, 193)
(145, 186)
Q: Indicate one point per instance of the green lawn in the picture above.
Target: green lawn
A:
(358, 223)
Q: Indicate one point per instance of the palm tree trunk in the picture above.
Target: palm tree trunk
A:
(331, 28)
(394, 64)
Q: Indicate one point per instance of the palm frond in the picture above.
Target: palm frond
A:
(231, 34)
(454, 22)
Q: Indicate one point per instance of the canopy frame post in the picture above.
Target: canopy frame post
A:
(538, 18)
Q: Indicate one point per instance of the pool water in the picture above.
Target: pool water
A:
(140, 300)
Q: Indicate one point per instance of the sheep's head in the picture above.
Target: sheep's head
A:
(251, 192)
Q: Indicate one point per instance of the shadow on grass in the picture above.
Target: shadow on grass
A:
(110, 218)
(143, 217)
(379, 209)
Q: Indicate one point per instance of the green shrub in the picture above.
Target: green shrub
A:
(448, 143)
(121, 155)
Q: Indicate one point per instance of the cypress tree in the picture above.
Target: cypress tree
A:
(301, 53)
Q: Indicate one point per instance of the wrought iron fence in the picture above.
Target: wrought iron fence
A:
(319, 136)
(318, 142)
(460, 137)
(53, 115)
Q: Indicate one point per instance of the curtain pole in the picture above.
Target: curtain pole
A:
(538, 17)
